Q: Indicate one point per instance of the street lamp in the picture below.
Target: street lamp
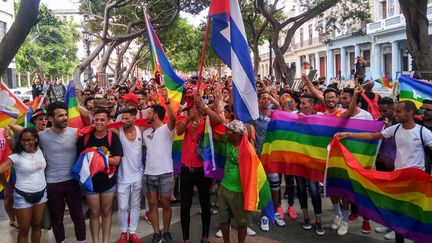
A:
(271, 60)
(87, 41)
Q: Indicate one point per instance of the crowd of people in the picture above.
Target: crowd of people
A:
(140, 157)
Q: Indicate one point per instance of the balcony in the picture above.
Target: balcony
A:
(307, 43)
(393, 22)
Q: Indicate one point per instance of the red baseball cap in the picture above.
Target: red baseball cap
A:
(133, 98)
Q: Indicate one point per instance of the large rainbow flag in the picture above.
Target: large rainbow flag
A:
(297, 145)
(177, 152)
(414, 90)
(256, 189)
(400, 200)
(10, 107)
(213, 151)
(161, 66)
(385, 81)
(72, 104)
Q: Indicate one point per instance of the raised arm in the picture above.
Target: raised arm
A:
(213, 115)
(170, 111)
(353, 105)
(312, 89)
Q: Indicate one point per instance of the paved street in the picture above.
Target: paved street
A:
(292, 232)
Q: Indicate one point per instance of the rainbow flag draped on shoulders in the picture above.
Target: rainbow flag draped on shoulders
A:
(400, 200)
(385, 81)
(414, 90)
(162, 67)
(297, 145)
(213, 151)
(256, 188)
(72, 104)
(10, 107)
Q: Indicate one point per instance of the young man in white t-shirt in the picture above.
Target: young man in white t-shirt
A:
(158, 172)
(409, 148)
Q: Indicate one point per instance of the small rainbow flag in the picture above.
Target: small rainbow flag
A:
(256, 188)
(214, 152)
(297, 145)
(306, 64)
(385, 81)
(162, 67)
(10, 107)
(72, 104)
(400, 200)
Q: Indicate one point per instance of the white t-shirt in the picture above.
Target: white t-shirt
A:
(159, 143)
(363, 115)
(409, 149)
(131, 168)
(30, 171)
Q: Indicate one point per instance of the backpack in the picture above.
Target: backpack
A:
(373, 108)
(428, 156)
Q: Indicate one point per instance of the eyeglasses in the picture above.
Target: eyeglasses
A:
(150, 136)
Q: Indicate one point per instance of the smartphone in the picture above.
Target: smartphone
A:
(312, 74)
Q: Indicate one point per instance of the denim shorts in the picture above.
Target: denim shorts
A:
(112, 189)
(20, 202)
(161, 184)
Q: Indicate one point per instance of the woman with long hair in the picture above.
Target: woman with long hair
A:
(30, 193)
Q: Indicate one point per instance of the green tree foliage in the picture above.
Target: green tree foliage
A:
(50, 46)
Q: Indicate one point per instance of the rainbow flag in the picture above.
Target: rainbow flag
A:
(72, 104)
(10, 107)
(385, 81)
(177, 152)
(400, 200)
(213, 153)
(256, 189)
(306, 64)
(297, 145)
(161, 66)
(414, 90)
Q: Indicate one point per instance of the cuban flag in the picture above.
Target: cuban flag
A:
(90, 162)
(228, 40)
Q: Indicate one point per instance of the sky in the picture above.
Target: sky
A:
(74, 4)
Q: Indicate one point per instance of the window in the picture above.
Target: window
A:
(383, 9)
(301, 37)
(2, 29)
(310, 34)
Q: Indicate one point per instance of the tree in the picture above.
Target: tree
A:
(26, 18)
(50, 46)
(347, 9)
(417, 26)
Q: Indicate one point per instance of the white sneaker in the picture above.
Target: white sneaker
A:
(343, 228)
(390, 236)
(265, 224)
(336, 222)
(250, 232)
(219, 233)
(280, 222)
(380, 229)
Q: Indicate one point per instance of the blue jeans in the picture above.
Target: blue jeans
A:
(302, 184)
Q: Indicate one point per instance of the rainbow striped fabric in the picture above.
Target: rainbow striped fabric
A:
(414, 90)
(385, 81)
(10, 107)
(306, 64)
(161, 65)
(177, 152)
(72, 104)
(400, 200)
(297, 145)
(256, 188)
(213, 153)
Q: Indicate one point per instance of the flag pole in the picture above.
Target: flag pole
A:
(203, 54)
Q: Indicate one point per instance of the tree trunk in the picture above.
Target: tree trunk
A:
(256, 60)
(26, 18)
(84, 64)
(417, 26)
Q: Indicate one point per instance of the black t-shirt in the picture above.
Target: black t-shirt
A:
(37, 90)
(101, 181)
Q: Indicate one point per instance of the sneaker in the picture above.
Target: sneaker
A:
(280, 212)
(167, 237)
(319, 229)
(343, 228)
(366, 228)
(265, 224)
(133, 238)
(279, 221)
(352, 217)
(336, 222)
(380, 229)
(250, 232)
(157, 238)
(291, 213)
(390, 236)
(123, 238)
(306, 224)
(219, 233)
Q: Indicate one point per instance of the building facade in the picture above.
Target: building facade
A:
(6, 20)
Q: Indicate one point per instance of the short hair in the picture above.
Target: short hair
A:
(54, 106)
(333, 86)
(427, 101)
(409, 106)
(90, 98)
(330, 90)
(100, 110)
(127, 110)
(123, 88)
(159, 110)
(262, 93)
(106, 96)
(349, 91)
(386, 101)
(310, 97)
